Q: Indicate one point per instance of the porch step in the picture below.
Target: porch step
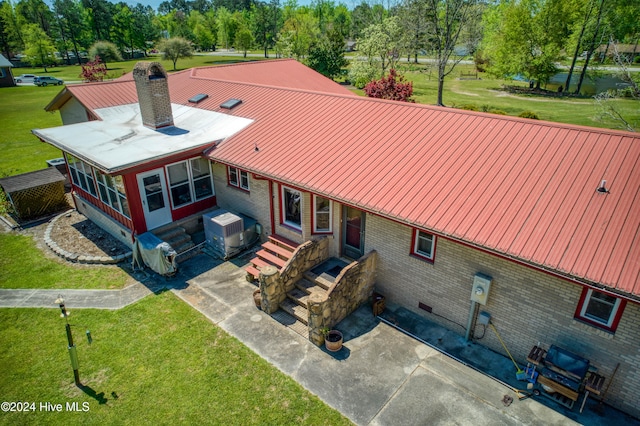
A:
(275, 252)
(318, 280)
(283, 252)
(299, 312)
(184, 255)
(299, 297)
(283, 242)
(166, 234)
(308, 287)
(291, 323)
(271, 258)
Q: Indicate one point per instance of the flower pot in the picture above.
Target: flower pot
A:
(333, 340)
(257, 298)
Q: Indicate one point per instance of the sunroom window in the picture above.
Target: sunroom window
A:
(112, 193)
(189, 180)
(81, 174)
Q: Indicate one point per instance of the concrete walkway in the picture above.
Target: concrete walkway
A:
(381, 376)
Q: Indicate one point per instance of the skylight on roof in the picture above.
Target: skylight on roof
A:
(231, 103)
(198, 98)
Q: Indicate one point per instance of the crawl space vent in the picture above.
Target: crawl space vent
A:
(231, 103)
(198, 98)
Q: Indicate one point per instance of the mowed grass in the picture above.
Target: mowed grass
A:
(155, 362)
(486, 93)
(23, 265)
(22, 109)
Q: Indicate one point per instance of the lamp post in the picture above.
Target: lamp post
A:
(73, 354)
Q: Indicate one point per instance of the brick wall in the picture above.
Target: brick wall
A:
(526, 306)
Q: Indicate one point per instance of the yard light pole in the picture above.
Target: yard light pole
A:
(73, 354)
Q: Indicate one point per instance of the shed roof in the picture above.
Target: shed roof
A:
(523, 189)
(30, 180)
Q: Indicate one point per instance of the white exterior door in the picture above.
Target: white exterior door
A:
(153, 192)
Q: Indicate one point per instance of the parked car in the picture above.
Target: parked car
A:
(45, 81)
(25, 78)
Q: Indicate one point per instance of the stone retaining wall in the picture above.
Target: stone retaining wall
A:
(351, 288)
(274, 284)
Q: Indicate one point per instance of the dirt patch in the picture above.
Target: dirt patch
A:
(75, 233)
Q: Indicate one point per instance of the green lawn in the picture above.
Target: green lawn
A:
(22, 109)
(116, 69)
(23, 265)
(155, 362)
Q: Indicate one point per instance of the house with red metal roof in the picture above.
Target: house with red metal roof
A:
(537, 224)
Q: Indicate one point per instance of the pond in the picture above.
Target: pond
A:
(590, 86)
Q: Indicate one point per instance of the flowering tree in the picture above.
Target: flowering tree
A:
(393, 87)
(93, 70)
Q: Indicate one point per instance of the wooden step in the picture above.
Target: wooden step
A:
(259, 263)
(299, 296)
(271, 258)
(309, 287)
(283, 242)
(291, 323)
(251, 270)
(318, 280)
(276, 249)
(299, 312)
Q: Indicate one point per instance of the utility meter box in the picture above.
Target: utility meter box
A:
(480, 288)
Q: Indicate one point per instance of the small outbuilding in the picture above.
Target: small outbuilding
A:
(35, 194)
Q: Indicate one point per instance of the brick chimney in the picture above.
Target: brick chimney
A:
(153, 94)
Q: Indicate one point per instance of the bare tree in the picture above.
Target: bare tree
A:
(448, 20)
(606, 101)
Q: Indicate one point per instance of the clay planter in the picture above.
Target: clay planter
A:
(333, 340)
(257, 298)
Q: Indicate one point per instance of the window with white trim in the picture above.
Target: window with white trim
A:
(189, 181)
(292, 207)
(423, 244)
(111, 189)
(600, 309)
(322, 214)
(238, 178)
(81, 174)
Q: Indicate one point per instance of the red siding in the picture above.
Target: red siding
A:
(119, 217)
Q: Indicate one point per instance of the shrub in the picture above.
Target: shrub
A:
(497, 111)
(360, 73)
(529, 114)
(468, 107)
(393, 87)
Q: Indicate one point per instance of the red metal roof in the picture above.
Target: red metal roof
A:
(524, 189)
(287, 73)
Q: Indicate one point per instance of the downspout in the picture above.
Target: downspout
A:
(271, 211)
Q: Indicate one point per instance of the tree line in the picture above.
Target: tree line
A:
(504, 37)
